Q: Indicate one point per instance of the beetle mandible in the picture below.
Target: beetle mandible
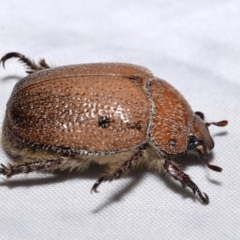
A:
(117, 115)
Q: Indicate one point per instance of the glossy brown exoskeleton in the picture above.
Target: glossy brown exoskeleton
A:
(113, 114)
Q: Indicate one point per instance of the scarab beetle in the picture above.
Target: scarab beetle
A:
(117, 115)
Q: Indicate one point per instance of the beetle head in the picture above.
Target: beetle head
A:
(200, 139)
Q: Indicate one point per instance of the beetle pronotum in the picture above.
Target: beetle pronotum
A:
(116, 115)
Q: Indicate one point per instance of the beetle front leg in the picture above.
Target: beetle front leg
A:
(36, 166)
(185, 180)
(127, 165)
(31, 65)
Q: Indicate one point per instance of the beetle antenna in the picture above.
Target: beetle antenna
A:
(219, 124)
(203, 150)
(213, 167)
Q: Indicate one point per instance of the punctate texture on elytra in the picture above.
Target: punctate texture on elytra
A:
(117, 115)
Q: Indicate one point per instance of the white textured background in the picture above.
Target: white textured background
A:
(195, 45)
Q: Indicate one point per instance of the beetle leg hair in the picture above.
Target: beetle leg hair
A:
(31, 65)
(47, 165)
(185, 180)
(125, 167)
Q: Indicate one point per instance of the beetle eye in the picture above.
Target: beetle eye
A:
(192, 142)
(200, 114)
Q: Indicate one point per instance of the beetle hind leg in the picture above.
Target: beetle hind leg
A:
(31, 65)
(35, 166)
(185, 180)
(124, 168)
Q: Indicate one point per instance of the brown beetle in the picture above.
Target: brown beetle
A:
(113, 114)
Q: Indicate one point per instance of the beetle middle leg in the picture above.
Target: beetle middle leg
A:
(125, 167)
(35, 166)
(31, 65)
(185, 180)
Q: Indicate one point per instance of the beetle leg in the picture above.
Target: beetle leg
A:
(125, 167)
(185, 180)
(31, 65)
(48, 165)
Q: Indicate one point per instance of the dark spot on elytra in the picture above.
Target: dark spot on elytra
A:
(103, 121)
